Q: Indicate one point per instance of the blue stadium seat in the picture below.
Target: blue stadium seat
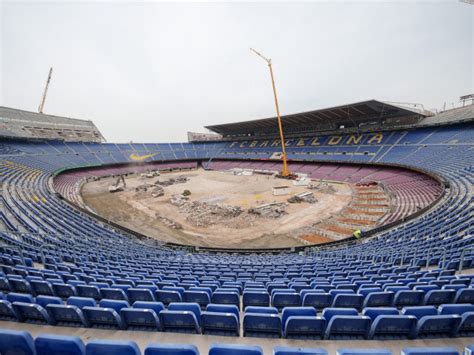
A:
(200, 297)
(259, 309)
(20, 297)
(464, 295)
(219, 323)
(190, 307)
(230, 349)
(420, 311)
(378, 299)
(31, 313)
(112, 347)
(459, 308)
(255, 298)
(369, 351)
(88, 291)
(224, 308)
(41, 287)
(429, 351)
(220, 297)
(65, 315)
(284, 299)
(285, 350)
(466, 328)
(64, 290)
(348, 327)
(107, 318)
(262, 325)
(179, 321)
(393, 327)
(374, 312)
(43, 301)
(140, 294)
(156, 306)
(318, 301)
(438, 326)
(437, 297)
(114, 294)
(171, 349)
(328, 313)
(140, 319)
(6, 311)
(408, 298)
(348, 301)
(51, 344)
(167, 297)
(15, 342)
(116, 305)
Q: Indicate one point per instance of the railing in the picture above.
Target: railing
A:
(14, 247)
(436, 249)
(463, 254)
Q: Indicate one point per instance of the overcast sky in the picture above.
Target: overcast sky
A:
(149, 72)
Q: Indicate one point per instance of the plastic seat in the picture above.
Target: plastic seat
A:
(318, 301)
(393, 327)
(107, 318)
(437, 297)
(31, 313)
(140, 319)
(66, 315)
(460, 308)
(20, 297)
(43, 301)
(155, 306)
(171, 349)
(370, 351)
(167, 297)
(220, 297)
(64, 290)
(348, 301)
(219, 323)
(302, 323)
(112, 347)
(114, 304)
(285, 299)
(262, 310)
(114, 294)
(420, 311)
(179, 321)
(50, 344)
(438, 326)
(140, 294)
(228, 349)
(347, 327)
(42, 287)
(285, 350)
(88, 291)
(378, 299)
(6, 311)
(14, 342)
(200, 297)
(328, 313)
(408, 298)
(224, 308)
(464, 295)
(374, 312)
(255, 298)
(191, 307)
(262, 325)
(429, 351)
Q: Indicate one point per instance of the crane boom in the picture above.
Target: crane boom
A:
(43, 99)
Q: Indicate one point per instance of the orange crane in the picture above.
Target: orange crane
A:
(285, 172)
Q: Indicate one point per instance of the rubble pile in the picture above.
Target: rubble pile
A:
(179, 200)
(168, 222)
(143, 187)
(172, 181)
(270, 210)
(323, 187)
(307, 196)
(157, 191)
(203, 214)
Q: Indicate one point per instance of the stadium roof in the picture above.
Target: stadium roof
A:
(349, 115)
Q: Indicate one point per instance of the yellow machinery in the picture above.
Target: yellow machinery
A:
(285, 173)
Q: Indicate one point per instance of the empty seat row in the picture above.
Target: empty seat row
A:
(14, 342)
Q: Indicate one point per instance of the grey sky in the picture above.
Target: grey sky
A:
(148, 72)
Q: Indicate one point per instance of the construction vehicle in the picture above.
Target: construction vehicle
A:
(119, 185)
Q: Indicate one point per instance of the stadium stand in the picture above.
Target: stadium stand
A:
(61, 266)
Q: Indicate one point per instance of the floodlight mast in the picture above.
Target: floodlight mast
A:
(285, 172)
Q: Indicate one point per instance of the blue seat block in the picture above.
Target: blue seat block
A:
(259, 309)
(20, 297)
(156, 306)
(393, 327)
(99, 317)
(407, 298)
(304, 327)
(230, 349)
(464, 295)
(114, 294)
(224, 308)
(167, 297)
(116, 305)
(284, 299)
(348, 327)
(112, 347)
(50, 344)
(15, 342)
(348, 301)
(369, 351)
(460, 308)
(140, 294)
(285, 350)
(429, 351)
(63, 315)
(171, 349)
(219, 323)
(140, 319)
(262, 325)
(438, 326)
(81, 302)
(43, 301)
(179, 321)
(255, 298)
(6, 311)
(466, 328)
(437, 297)
(31, 313)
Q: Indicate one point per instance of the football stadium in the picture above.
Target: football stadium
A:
(339, 230)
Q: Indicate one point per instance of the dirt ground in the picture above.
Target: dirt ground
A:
(138, 210)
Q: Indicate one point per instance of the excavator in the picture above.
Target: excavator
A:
(119, 185)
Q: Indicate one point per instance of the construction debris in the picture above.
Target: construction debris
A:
(270, 210)
(306, 196)
(150, 174)
(179, 200)
(168, 222)
(323, 187)
(172, 181)
(157, 191)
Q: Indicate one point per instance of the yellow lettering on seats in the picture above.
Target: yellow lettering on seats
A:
(300, 142)
(242, 145)
(253, 144)
(354, 139)
(334, 140)
(276, 143)
(377, 139)
(263, 144)
(315, 141)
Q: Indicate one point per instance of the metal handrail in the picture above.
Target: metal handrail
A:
(15, 247)
(463, 254)
(434, 249)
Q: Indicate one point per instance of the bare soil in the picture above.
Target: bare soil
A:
(139, 210)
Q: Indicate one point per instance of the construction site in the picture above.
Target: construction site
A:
(234, 208)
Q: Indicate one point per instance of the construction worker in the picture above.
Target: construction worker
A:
(357, 234)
